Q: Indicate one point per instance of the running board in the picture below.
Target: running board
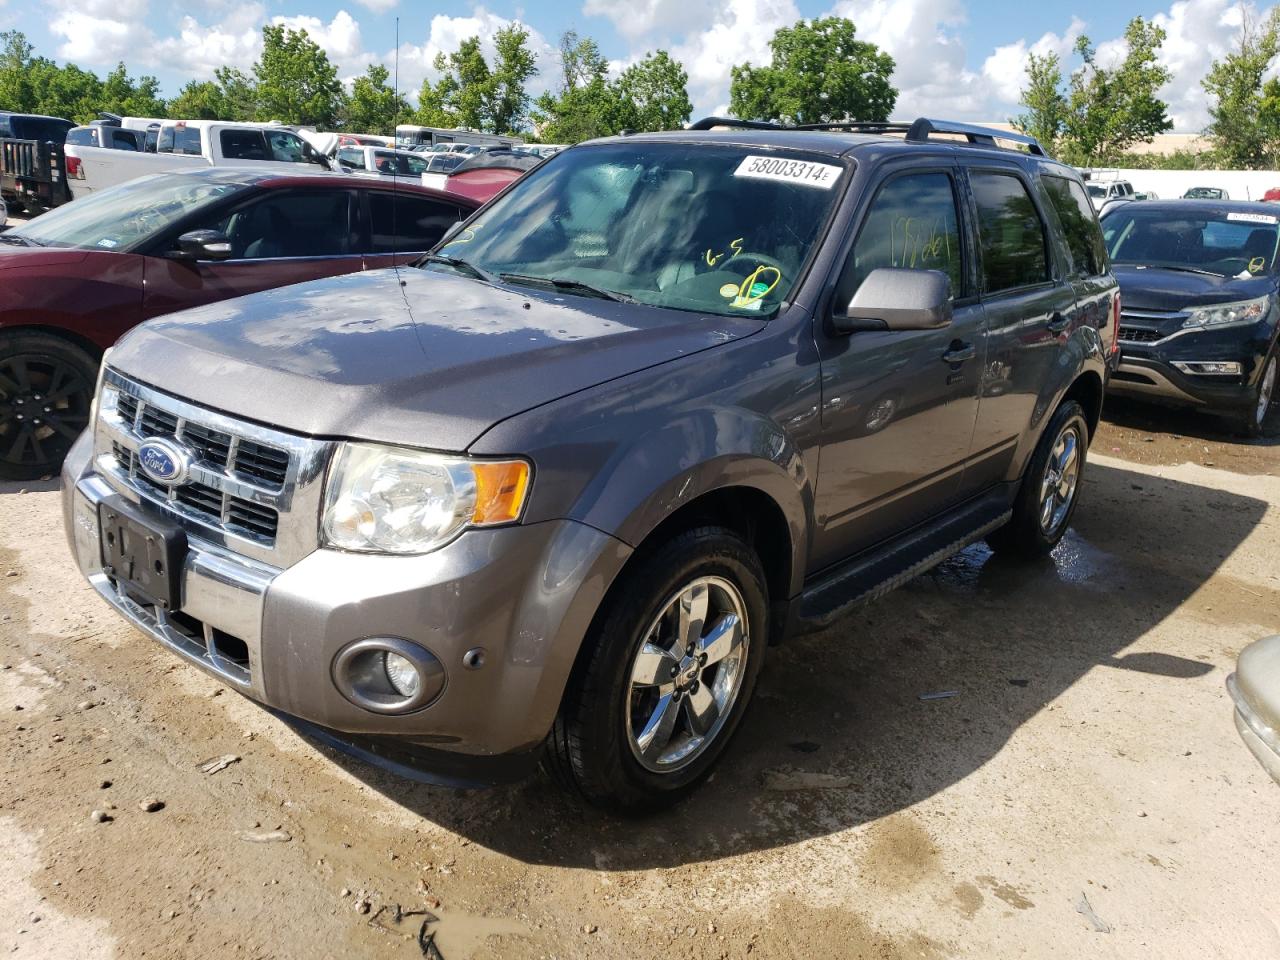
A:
(888, 567)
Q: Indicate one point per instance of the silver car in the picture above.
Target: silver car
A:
(1255, 688)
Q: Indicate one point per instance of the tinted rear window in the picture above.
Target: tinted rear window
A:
(1014, 253)
(39, 128)
(243, 145)
(179, 140)
(1084, 237)
(87, 137)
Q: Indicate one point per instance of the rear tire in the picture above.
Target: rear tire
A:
(46, 390)
(1050, 487)
(643, 720)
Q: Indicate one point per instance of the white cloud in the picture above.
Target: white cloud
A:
(641, 18)
(234, 41)
(1198, 32)
(445, 35)
(339, 38)
(378, 6)
(710, 54)
(100, 31)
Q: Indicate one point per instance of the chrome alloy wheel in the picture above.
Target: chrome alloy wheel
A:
(687, 674)
(1061, 477)
(1266, 391)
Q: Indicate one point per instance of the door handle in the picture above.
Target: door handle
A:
(960, 352)
(1057, 323)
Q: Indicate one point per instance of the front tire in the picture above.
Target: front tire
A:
(666, 674)
(1050, 488)
(1251, 422)
(46, 391)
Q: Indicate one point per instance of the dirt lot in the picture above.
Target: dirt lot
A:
(1083, 794)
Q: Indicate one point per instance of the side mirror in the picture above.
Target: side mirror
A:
(311, 155)
(202, 245)
(893, 298)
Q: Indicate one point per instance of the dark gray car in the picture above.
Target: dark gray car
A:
(555, 491)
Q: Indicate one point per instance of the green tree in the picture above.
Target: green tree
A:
(1109, 110)
(239, 94)
(295, 82)
(514, 65)
(653, 94)
(199, 100)
(16, 91)
(1046, 106)
(586, 105)
(373, 106)
(1243, 119)
(460, 97)
(126, 97)
(821, 73)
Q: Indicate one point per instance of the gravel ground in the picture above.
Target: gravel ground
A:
(1082, 794)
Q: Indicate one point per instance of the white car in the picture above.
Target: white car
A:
(1102, 191)
(384, 162)
(189, 145)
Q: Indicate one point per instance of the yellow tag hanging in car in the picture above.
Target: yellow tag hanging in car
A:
(754, 289)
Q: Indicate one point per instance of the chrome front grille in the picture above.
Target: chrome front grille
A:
(252, 489)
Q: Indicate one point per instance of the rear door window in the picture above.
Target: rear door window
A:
(124, 140)
(243, 145)
(175, 139)
(911, 224)
(1084, 236)
(404, 223)
(1014, 249)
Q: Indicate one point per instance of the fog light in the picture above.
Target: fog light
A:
(1211, 368)
(388, 675)
(402, 674)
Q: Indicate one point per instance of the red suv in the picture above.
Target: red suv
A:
(74, 280)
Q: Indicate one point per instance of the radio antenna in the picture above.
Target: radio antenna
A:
(395, 151)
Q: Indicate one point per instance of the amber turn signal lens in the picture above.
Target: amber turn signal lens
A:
(500, 491)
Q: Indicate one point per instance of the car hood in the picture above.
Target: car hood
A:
(1154, 288)
(412, 357)
(13, 258)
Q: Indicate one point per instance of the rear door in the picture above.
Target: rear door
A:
(278, 237)
(1087, 271)
(404, 225)
(1030, 307)
(898, 407)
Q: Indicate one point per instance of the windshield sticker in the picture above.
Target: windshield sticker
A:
(729, 290)
(108, 243)
(1253, 218)
(754, 289)
(820, 175)
(1257, 264)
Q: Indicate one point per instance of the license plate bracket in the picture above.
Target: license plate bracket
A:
(145, 554)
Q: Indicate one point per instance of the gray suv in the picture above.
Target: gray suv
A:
(553, 491)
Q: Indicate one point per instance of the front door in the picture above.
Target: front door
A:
(278, 237)
(898, 407)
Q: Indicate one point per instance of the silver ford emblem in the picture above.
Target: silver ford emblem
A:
(164, 461)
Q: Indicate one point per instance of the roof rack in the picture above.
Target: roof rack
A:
(917, 131)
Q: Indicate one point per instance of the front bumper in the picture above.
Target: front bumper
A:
(1148, 371)
(524, 594)
(1255, 691)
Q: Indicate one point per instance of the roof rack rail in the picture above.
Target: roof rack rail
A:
(982, 136)
(918, 131)
(710, 123)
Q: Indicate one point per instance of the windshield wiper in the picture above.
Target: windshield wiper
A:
(17, 238)
(568, 285)
(1181, 269)
(466, 266)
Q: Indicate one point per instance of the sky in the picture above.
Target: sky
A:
(957, 59)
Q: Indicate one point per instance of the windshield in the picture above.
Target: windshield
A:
(1097, 192)
(1225, 243)
(692, 227)
(117, 218)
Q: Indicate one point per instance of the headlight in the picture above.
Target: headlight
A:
(383, 499)
(1243, 311)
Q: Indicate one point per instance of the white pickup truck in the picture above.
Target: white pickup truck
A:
(186, 145)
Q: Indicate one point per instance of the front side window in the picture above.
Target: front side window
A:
(1088, 251)
(285, 147)
(1014, 251)
(280, 224)
(713, 229)
(351, 157)
(911, 224)
(122, 216)
(405, 223)
(1239, 243)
